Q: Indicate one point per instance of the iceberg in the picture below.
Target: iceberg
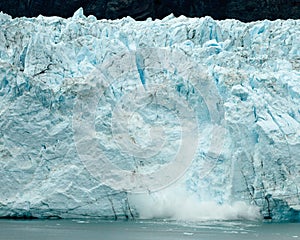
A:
(103, 118)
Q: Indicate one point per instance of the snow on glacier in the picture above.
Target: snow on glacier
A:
(254, 67)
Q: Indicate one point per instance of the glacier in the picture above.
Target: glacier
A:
(236, 85)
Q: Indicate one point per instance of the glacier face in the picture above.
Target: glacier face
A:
(48, 63)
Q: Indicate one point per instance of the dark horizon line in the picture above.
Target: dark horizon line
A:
(243, 10)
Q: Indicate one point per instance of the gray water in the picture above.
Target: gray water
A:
(144, 230)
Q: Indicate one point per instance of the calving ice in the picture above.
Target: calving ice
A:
(186, 118)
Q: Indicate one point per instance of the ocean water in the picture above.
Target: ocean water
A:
(145, 230)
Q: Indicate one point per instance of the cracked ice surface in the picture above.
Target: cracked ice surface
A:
(255, 68)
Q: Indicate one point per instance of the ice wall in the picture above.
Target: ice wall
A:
(253, 69)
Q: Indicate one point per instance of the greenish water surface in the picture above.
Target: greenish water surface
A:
(145, 230)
